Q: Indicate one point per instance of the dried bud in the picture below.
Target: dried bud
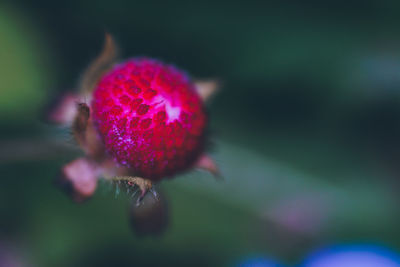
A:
(150, 217)
(81, 118)
(102, 63)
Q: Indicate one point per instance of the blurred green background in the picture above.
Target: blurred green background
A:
(305, 129)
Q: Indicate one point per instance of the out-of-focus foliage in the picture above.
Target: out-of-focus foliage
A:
(24, 65)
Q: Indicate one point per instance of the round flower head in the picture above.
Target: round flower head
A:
(150, 117)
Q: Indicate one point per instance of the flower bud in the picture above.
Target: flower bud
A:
(150, 215)
(79, 179)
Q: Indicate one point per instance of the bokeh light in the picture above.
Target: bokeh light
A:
(353, 256)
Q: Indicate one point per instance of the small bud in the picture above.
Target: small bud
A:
(206, 163)
(64, 110)
(206, 89)
(79, 179)
(150, 216)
